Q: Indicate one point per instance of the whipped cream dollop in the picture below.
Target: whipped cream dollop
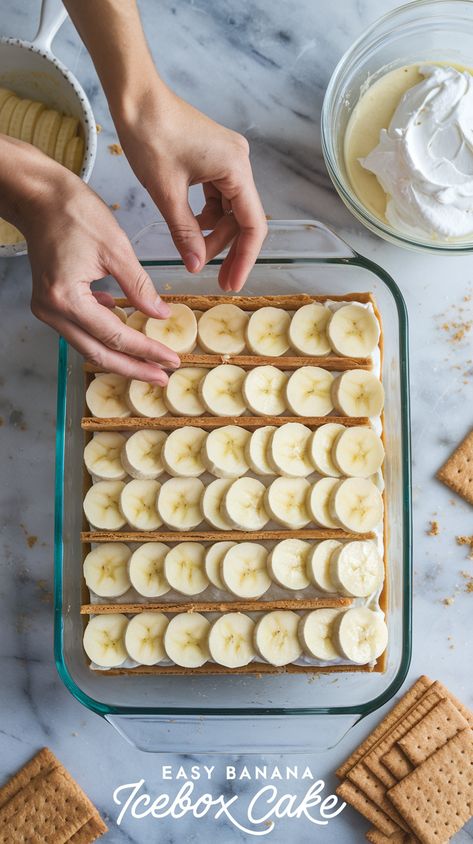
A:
(424, 160)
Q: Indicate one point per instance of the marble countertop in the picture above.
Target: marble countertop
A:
(262, 70)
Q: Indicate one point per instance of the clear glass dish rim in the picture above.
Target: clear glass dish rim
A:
(361, 709)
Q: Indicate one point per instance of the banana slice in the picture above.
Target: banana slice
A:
(288, 450)
(357, 504)
(357, 569)
(106, 396)
(243, 504)
(231, 640)
(30, 120)
(256, 450)
(178, 331)
(182, 391)
(5, 95)
(137, 320)
(142, 454)
(46, 131)
(146, 569)
(144, 637)
(138, 504)
(67, 130)
(186, 639)
(308, 330)
(358, 452)
(214, 556)
(146, 399)
(224, 451)
(120, 313)
(102, 456)
(287, 564)
(308, 391)
(320, 448)
(318, 564)
(104, 640)
(318, 503)
(315, 634)
(106, 569)
(357, 392)
(182, 452)
(184, 568)
(17, 117)
(286, 499)
(264, 390)
(6, 112)
(179, 503)
(360, 635)
(353, 331)
(267, 332)
(73, 154)
(275, 637)
(221, 330)
(212, 504)
(101, 505)
(244, 571)
(221, 390)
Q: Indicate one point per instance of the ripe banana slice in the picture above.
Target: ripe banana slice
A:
(318, 503)
(146, 569)
(276, 639)
(357, 392)
(182, 391)
(256, 450)
(243, 505)
(106, 569)
(182, 452)
(120, 313)
(244, 571)
(184, 568)
(267, 332)
(17, 117)
(6, 112)
(178, 331)
(223, 451)
(213, 560)
(288, 450)
(186, 639)
(138, 504)
(136, 320)
(360, 635)
(102, 456)
(146, 399)
(221, 390)
(320, 448)
(179, 503)
(287, 564)
(318, 564)
(358, 452)
(353, 331)
(142, 454)
(104, 640)
(315, 634)
(101, 505)
(357, 504)
(286, 499)
(212, 504)
(144, 637)
(357, 569)
(263, 390)
(29, 121)
(231, 640)
(46, 131)
(308, 330)
(106, 396)
(308, 391)
(221, 330)
(74, 155)
(67, 130)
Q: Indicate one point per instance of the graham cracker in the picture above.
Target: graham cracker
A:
(457, 472)
(358, 799)
(436, 799)
(397, 762)
(367, 782)
(441, 724)
(377, 837)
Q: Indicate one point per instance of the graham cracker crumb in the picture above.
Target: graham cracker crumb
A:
(168, 286)
(115, 149)
(448, 601)
(434, 528)
(98, 128)
(465, 540)
(115, 206)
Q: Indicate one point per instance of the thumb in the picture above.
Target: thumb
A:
(185, 230)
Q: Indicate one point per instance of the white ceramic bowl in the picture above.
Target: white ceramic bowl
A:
(31, 70)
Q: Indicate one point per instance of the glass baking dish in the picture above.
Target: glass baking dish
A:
(228, 713)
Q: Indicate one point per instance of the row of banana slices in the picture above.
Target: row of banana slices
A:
(354, 504)
(351, 330)
(235, 639)
(246, 569)
(291, 450)
(229, 390)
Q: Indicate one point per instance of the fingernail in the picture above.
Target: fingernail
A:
(172, 364)
(192, 262)
(162, 308)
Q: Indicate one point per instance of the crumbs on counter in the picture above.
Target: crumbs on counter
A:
(168, 286)
(115, 206)
(434, 528)
(115, 149)
(31, 538)
(466, 540)
(98, 128)
(447, 602)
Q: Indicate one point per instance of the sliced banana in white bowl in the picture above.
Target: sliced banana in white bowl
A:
(267, 332)
(106, 569)
(231, 640)
(102, 456)
(184, 568)
(182, 452)
(221, 330)
(102, 505)
(186, 639)
(142, 454)
(144, 637)
(276, 639)
(146, 569)
(361, 635)
(104, 640)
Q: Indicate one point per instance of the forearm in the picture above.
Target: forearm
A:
(27, 178)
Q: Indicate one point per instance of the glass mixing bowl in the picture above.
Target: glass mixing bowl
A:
(422, 31)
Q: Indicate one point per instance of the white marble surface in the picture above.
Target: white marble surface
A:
(262, 68)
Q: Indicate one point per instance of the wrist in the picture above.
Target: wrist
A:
(28, 181)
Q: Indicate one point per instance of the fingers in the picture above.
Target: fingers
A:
(183, 226)
(104, 298)
(122, 263)
(253, 228)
